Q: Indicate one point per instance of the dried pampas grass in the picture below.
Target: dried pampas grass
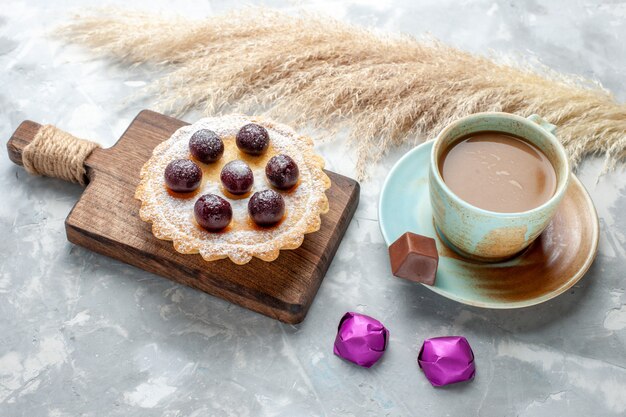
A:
(310, 69)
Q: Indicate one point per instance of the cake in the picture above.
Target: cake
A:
(234, 187)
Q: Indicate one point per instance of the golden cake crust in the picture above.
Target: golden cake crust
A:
(172, 215)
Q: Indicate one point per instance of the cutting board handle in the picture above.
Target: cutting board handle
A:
(49, 151)
(23, 135)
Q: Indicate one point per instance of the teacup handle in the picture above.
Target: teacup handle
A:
(535, 118)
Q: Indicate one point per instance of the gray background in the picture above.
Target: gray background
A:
(81, 334)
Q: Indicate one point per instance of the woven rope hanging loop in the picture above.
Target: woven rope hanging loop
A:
(55, 153)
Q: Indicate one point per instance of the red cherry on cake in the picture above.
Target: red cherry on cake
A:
(282, 172)
(212, 212)
(237, 177)
(266, 208)
(252, 139)
(206, 146)
(182, 175)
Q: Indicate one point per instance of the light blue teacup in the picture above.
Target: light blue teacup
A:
(485, 235)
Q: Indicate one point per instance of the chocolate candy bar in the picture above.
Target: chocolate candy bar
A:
(414, 257)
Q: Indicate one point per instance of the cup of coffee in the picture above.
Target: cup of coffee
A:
(496, 180)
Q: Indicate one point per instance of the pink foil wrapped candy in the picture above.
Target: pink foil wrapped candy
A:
(446, 360)
(360, 339)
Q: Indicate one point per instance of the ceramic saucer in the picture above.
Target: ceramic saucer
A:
(550, 266)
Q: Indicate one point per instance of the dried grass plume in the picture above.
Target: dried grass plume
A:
(312, 69)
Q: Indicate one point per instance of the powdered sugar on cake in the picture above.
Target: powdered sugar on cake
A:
(172, 217)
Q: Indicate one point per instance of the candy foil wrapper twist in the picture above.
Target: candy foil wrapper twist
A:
(360, 339)
(447, 360)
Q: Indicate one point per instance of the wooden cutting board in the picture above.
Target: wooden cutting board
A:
(106, 220)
